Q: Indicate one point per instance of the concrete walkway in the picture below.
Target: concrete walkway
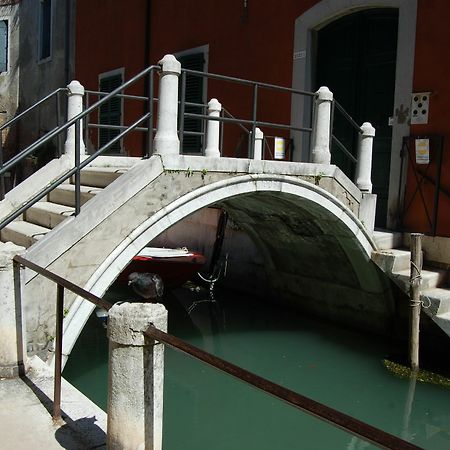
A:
(26, 419)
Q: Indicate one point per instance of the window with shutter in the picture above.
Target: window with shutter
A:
(194, 94)
(45, 34)
(110, 112)
(3, 45)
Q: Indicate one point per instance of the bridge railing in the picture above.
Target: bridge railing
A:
(169, 134)
(137, 335)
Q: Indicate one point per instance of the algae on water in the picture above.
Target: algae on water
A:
(422, 375)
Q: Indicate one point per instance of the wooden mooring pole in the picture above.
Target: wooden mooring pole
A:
(414, 293)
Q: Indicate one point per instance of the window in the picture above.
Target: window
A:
(45, 35)
(3, 45)
(194, 94)
(111, 111)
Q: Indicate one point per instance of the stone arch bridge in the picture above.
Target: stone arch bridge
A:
(306, 220)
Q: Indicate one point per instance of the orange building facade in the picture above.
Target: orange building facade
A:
(372, 55)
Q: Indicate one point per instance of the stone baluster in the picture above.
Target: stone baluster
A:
(321, 128)
(166, 140)
(364, 162)
(258, 147)
(74, 107)
(213, 130)
(136, 375)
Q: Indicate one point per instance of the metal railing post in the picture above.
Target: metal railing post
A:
(74, 107)
(150, 119)
(182, 110)
(254, 116)
(321, 132)
(77, 165)
(58, 121)
(58, 353)
(213, 129)
(364, 162)
(166, 140)
(258, 144)
(2, 176)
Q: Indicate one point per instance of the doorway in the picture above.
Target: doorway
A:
(356, 59)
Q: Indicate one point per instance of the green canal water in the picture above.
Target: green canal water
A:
(207, 410)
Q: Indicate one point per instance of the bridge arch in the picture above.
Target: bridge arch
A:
(229, 193)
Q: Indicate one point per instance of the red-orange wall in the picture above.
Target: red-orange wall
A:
(256, 46)
(110, 34)
(432, 74)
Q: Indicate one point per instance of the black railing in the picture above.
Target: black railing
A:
(249, 125)
(62, 284)
(311, 407)
(56, 96)
(77, 123)
(305, 404)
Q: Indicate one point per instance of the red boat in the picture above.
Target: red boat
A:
(174, 266)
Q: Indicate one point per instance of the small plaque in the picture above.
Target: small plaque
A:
(279, 151)
(422, 151)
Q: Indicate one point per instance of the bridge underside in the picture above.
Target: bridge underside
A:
(311, 260)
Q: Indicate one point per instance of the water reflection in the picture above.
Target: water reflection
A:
(208, 410)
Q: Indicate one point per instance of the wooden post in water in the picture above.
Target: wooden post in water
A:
(414, 293)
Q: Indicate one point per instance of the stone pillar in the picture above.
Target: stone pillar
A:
(259, 137)
(74, 107)
(321, 128)
(364, 162)
(166, 140)
(136, 373)
(213, 132)
(12, 320)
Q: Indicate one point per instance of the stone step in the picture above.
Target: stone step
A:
(48, 214)
(436, 301)
(392, 260)
(99, 176)
(430, 279)
(65, 194)
(443, 320)
(23, 233)
(387, 240)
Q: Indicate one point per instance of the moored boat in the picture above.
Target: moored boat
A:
(174, 266)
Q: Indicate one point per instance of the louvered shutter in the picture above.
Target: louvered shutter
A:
(194, 94)
(110, 113)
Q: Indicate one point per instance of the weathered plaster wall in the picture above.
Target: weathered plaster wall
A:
(9, 80)
(40, 77)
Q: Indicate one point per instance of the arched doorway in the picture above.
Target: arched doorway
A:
(356, 59)
(307, 25)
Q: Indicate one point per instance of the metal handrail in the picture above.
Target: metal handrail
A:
(75, 121)
(319, 410)
(31, 108)
(70, 173)
(347, 116)
(78, 117)
(61, 284)
(301, 402)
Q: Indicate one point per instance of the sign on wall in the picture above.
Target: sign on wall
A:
(279, 151)
(422, 151)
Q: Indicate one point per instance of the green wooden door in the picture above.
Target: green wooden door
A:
(356, 58)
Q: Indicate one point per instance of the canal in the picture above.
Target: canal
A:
(207, 410)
